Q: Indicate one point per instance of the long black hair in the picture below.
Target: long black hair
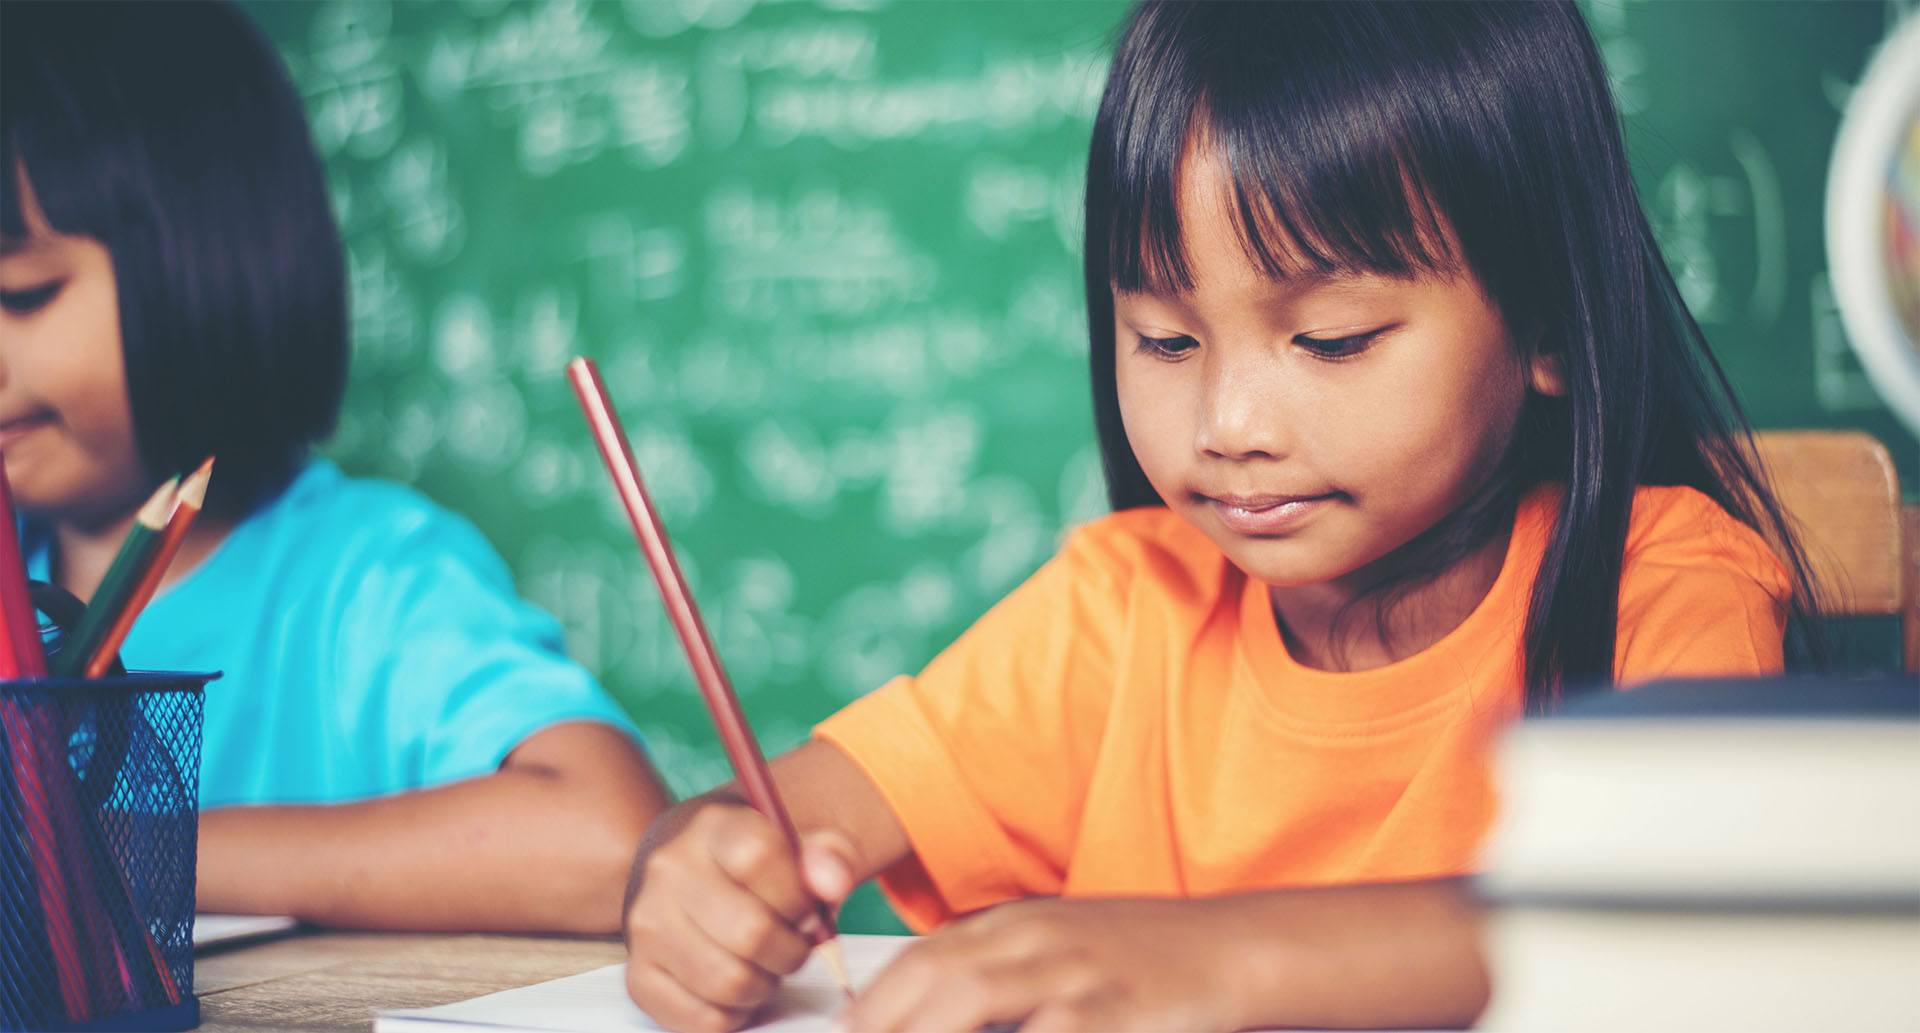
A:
(1398, 138)
(170, 133)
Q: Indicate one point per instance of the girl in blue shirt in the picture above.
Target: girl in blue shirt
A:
(399, 740)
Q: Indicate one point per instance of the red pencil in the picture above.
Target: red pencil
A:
(743, 750)
(32, 744)
(25, 656)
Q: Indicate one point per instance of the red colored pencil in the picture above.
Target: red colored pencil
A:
(33, 745)
(743, 750)
(25, 656)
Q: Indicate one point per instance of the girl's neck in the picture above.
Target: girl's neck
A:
(81, 554)
(1323, 629)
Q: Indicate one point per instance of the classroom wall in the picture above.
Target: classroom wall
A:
(826, 253)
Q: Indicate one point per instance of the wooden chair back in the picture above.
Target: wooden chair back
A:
(1840, 490)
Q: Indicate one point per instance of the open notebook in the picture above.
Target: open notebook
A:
(597, 1002)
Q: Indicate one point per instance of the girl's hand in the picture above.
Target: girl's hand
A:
(715, 911)
(1050, 964)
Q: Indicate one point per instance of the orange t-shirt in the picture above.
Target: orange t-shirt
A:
(1128, 721)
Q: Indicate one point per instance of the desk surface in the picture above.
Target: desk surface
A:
(337, 981)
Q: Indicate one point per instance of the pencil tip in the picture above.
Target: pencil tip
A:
(837, 961)
(193, 490)
(154, 513)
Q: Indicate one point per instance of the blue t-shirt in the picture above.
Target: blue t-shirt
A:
(371, 641)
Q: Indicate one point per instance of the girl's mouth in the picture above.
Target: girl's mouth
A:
(12, 430)
(1267, 515)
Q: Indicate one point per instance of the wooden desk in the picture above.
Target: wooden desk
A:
(338, 980)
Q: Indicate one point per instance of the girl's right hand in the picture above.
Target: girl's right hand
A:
(717, 911)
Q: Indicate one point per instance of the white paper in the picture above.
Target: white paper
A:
(597, 1001)
(209, 929)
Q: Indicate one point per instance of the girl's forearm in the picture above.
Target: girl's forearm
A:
(528, 848)
(1357, 957)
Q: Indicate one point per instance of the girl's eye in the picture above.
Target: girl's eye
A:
(1168, 347)
(31, 299)
(1337, 348)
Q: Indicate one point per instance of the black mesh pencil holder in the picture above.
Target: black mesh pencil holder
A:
(99, 787)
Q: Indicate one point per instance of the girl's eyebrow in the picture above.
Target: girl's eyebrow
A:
(1337, 282)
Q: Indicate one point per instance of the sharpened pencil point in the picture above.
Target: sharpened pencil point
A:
(837, 961)
(193, 490)
(159, 505)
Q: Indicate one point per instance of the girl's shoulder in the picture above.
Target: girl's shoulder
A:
(323, 494)
(1675, 527)
(327, 527)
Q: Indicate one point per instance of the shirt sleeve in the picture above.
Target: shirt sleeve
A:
(985, 756)
(454, 666)
(1701, 596)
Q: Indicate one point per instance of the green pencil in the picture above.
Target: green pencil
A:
(121, 578)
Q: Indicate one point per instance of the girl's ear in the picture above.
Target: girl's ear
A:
(1546, 374)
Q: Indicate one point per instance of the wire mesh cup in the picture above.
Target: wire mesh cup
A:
(99, 786)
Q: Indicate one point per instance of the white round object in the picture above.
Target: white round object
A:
(1873, 184)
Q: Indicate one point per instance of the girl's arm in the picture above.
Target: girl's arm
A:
(1352, 957)
(542, 844)
(716, 894)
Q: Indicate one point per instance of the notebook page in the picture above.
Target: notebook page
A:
(211, 929)
(597, 1002)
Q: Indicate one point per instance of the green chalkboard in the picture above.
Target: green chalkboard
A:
(827, 256)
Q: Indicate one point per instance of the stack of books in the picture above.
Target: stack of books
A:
(1711, 855)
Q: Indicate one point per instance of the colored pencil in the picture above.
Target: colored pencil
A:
(33, 747)
(36, 991)
(89, 940)
(30, 748)
(743, 750)
(23, 656)
(130, 583)
(111, 597)
(187, 504)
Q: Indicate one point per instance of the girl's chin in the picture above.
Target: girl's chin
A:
(1270, 563)
(39, 489)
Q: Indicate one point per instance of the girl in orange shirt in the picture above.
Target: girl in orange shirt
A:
(1407, 431)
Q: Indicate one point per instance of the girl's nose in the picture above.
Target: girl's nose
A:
(1242, 414)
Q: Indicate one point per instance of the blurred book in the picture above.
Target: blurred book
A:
(1594, 968)
(1711, 855)
(1715, 791)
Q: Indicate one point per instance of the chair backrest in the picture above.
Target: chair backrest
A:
(1840, 490)
(1910, 611)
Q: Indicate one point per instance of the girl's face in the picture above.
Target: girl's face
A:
(1310, 427)
(65, 424)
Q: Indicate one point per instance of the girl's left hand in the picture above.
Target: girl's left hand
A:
(1048, 964)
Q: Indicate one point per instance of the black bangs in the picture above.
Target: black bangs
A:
(1323, 159)
(70, 187)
